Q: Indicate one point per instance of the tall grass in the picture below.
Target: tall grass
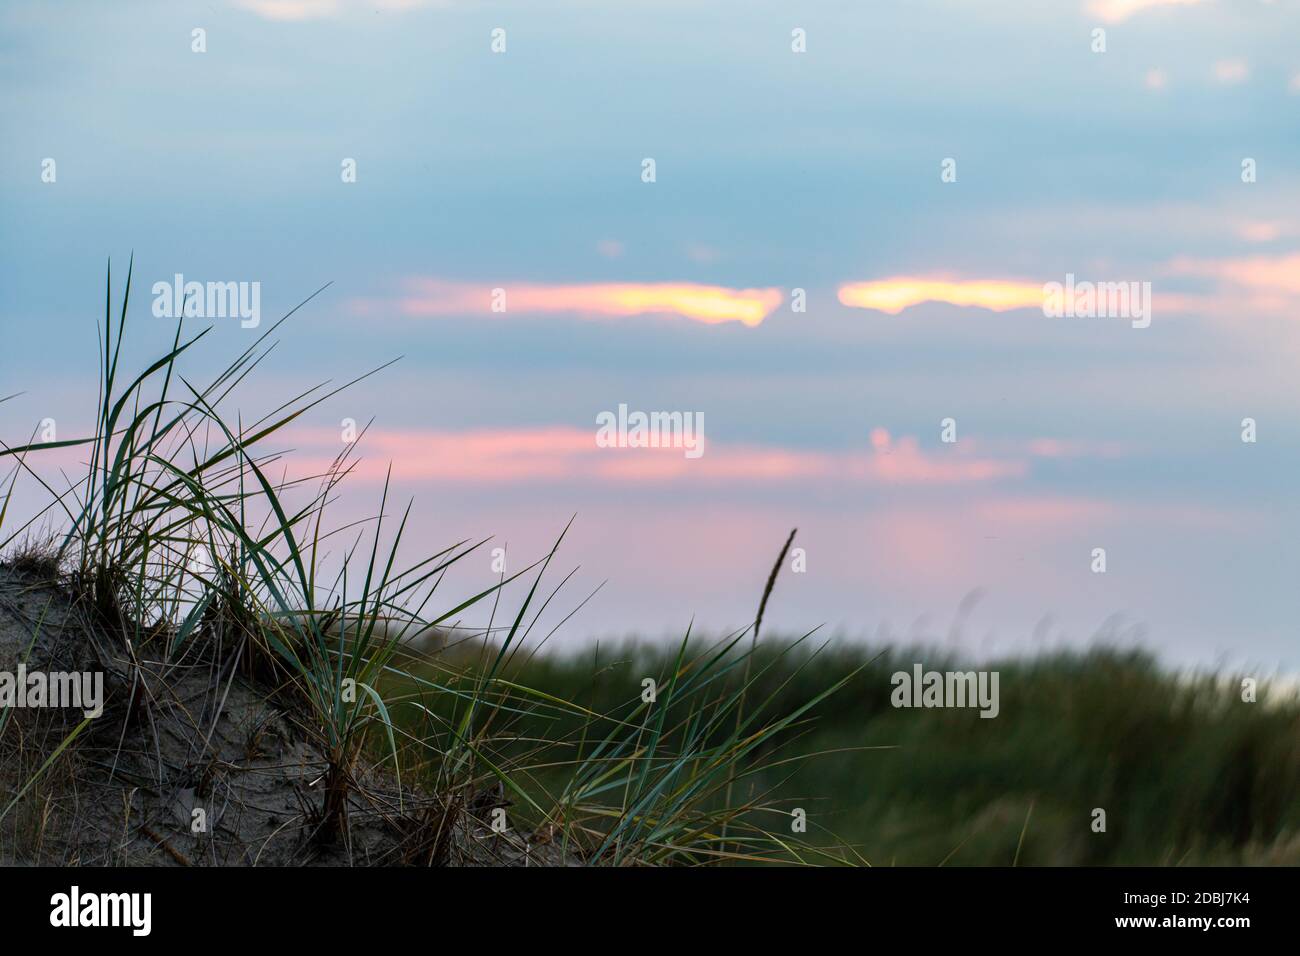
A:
(1187, 772)
(182, 548)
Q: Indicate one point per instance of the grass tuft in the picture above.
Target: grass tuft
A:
(194, 575)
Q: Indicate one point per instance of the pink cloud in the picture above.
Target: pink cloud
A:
(1038, 512)
(1231, 72)
(1280, 274)
(297, 10)
(1117, 11)
(1262, 230)
(567, 454)
(1156, 79)
(1259, 283)
(1066, 448)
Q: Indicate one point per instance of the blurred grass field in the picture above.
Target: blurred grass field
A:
(1186, 771)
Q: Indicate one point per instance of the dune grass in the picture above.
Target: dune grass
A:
(1186, 771)
(180, 548)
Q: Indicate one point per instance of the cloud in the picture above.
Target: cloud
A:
(1260, 283)
(564, 454)
(1068, 448)
(702, 254)
(1238, 288)
(1231, 72)
(1117, 11)
(1262, 230)
(1038, 512)
(296, 10)
(1270, 278)
(701, 303)
(895, 294)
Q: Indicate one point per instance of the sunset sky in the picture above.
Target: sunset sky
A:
(775, 170)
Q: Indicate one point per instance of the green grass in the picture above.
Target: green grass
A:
(1186, 771)
(625, 775)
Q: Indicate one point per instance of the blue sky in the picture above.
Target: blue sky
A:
(775, 170)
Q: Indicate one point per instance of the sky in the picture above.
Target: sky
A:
(820, 231)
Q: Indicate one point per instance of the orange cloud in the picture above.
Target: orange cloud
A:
(702, 303)
(1266, 283)
(897, 293)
